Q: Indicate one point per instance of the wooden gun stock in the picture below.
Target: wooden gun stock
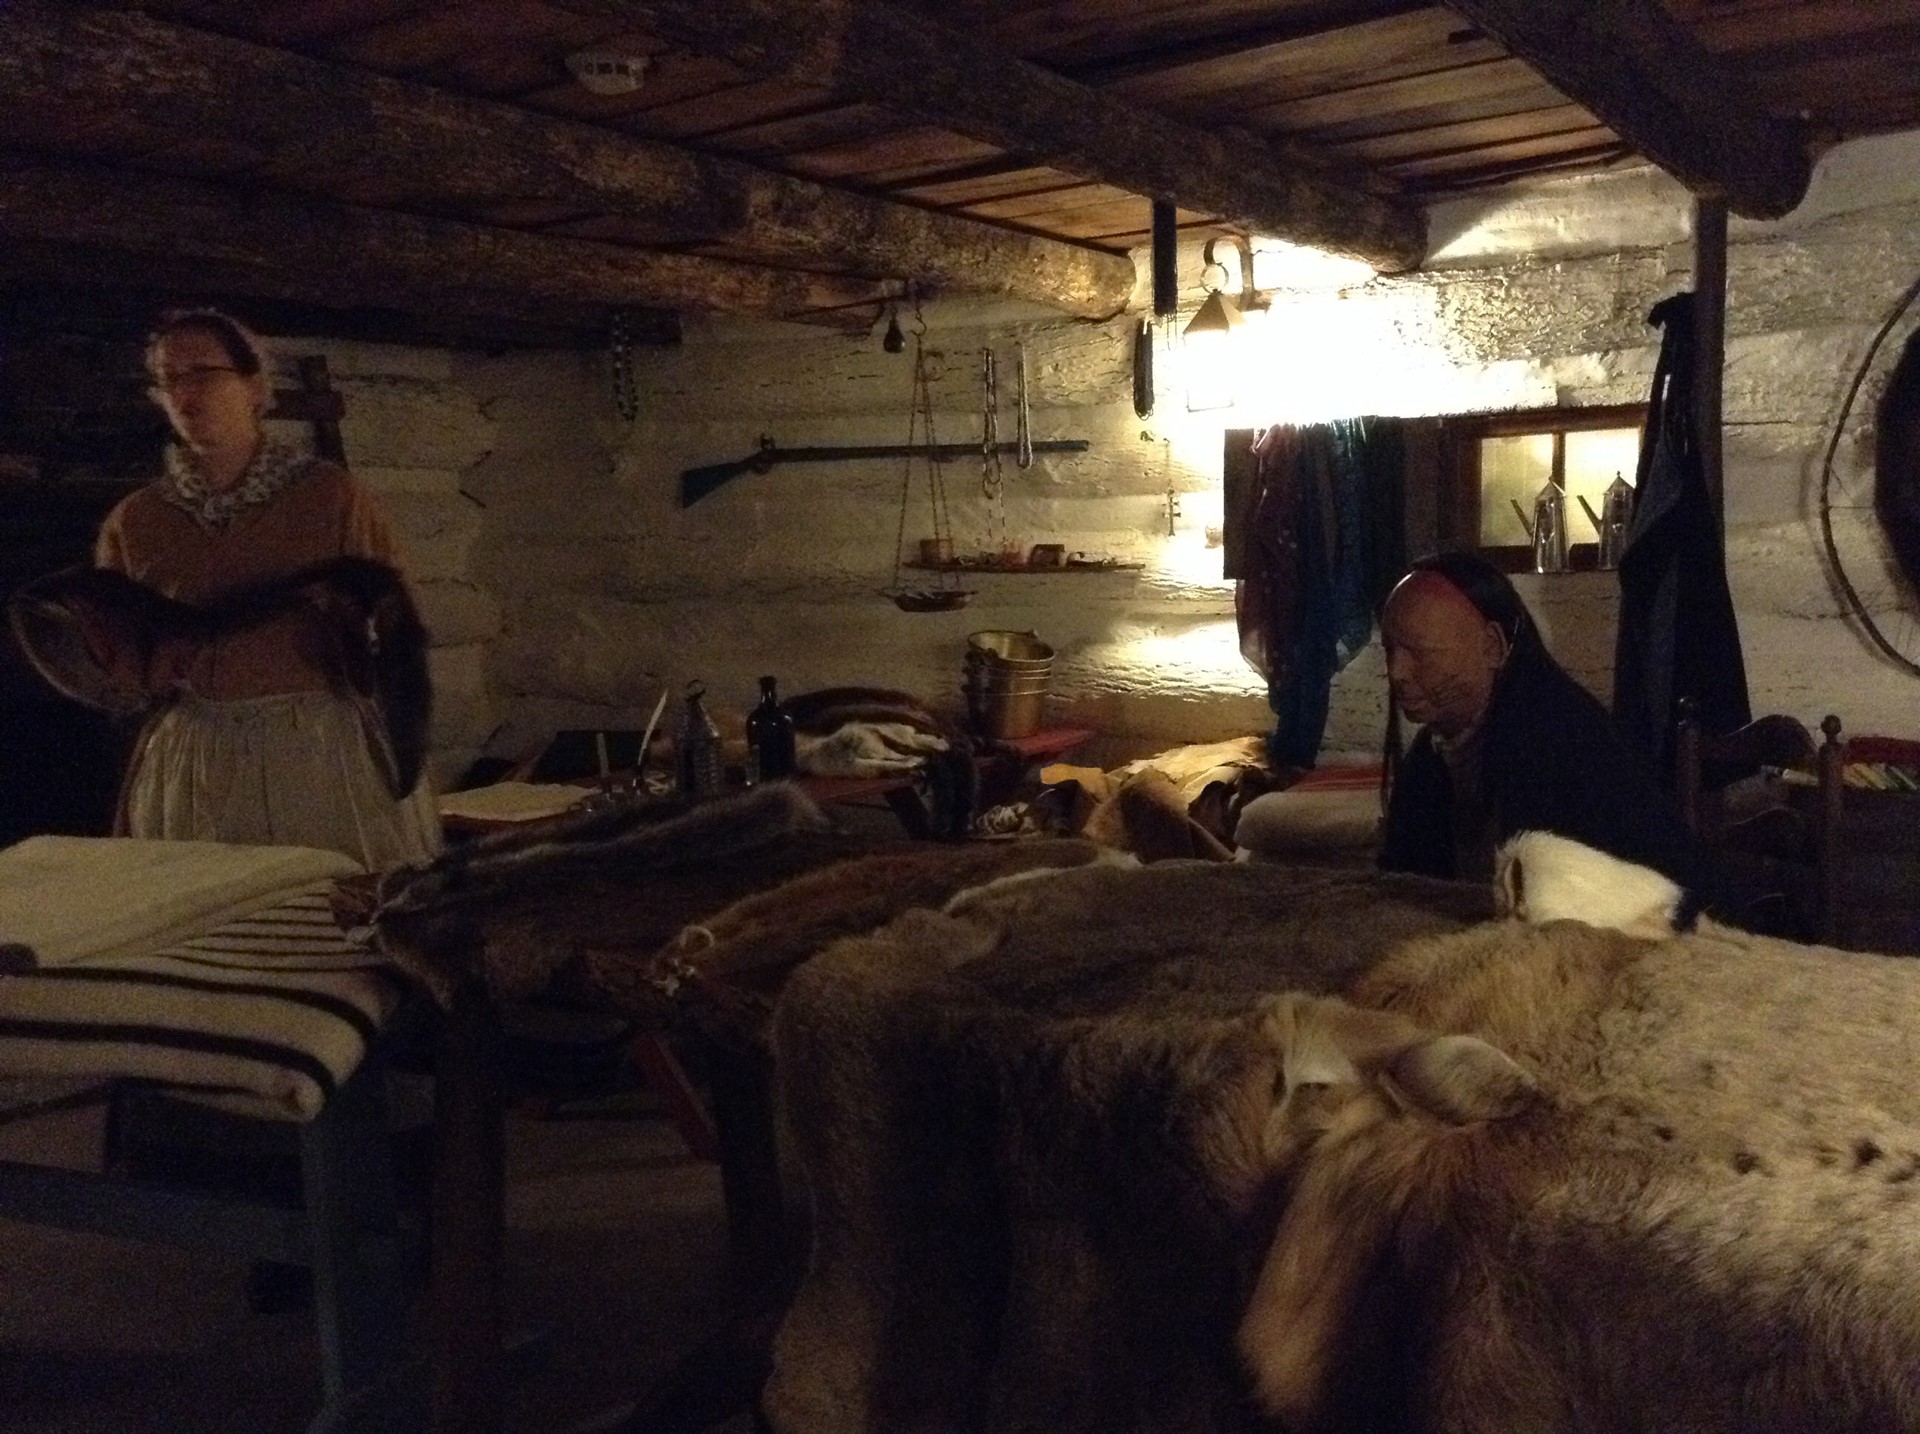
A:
(697, 483)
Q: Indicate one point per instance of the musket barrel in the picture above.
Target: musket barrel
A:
(697, 483)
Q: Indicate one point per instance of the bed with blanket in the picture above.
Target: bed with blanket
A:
(1191, 1146)
(211, 969)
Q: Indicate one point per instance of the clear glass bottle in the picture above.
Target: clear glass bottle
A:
(698, 747)
(770, 748)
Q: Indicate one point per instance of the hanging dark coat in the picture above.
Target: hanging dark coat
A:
(1678, 637)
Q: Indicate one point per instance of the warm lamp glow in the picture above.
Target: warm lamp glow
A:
(1218, 315)
(1280, 265)
(1209, 356)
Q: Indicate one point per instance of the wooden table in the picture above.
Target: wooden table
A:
(1047, 745)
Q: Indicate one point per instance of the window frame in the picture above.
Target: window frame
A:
(1459, 498)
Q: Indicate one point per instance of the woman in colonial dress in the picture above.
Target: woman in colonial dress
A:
(258, 742)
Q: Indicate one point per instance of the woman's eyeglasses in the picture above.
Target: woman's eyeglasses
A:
(196, 376)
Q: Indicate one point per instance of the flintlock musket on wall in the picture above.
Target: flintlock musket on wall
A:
(696, 483)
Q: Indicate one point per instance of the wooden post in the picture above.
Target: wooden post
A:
(316, 401)
(1710, 341)
(1166, 251)
(1832, 768)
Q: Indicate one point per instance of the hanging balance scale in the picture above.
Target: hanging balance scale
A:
(935, 550)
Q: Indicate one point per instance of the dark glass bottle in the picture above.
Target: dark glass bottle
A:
(699, 747)
(770, 754)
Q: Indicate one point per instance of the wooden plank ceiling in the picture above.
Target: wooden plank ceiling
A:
(812, 159)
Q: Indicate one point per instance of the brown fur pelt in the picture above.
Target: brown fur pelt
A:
(1083, 1147)
(508, 905)
(1031, 1134)
(102, 639)
(1693, 1211)
(1148, 816)
(725, 972)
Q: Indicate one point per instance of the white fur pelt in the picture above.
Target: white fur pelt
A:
(867, 749)
(1540, 877)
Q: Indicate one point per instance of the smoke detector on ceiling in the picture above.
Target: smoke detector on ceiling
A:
(608, 72)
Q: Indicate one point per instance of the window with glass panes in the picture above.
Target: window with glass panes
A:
(1502, 461)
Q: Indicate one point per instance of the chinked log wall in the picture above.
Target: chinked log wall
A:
(607, 588)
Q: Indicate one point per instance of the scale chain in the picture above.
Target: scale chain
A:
(992, 475)
(1023, 421)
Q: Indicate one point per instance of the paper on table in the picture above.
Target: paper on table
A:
(511, 801)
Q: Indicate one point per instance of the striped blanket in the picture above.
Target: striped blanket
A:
(266, 1014)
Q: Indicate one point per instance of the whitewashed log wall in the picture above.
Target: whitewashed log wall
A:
(414, 430)
(565, 585)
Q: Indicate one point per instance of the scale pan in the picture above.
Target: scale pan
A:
(931, 599)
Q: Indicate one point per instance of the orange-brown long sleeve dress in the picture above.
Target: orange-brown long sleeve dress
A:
(256, 748)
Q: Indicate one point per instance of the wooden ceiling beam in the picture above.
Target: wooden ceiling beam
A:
(110, 291)
(866, 50)
(1652, 82)
(123, 81)
(379, 255)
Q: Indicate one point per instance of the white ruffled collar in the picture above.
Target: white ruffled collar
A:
(275, 466)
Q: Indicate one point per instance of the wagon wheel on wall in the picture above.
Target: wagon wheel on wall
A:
(1870, 512)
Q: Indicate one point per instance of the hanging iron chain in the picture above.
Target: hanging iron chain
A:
(626, 396)
(992, 471)
(1023, 422)
(920, 420)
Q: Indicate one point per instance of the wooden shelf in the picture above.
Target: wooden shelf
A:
(1022, 568)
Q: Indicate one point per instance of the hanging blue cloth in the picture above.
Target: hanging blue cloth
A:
(1346, 481)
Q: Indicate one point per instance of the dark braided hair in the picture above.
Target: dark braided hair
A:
(1491, 592)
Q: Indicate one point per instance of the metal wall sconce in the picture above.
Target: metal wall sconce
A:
(1209, 359)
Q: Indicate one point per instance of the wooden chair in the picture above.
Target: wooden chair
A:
(1778, 863)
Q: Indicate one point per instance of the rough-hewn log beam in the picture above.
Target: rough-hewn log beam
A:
(869, 50)
(304, 125)
(95, 289)
(1652, 83)
(366, 251)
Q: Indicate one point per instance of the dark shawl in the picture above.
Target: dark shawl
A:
(1550, 760)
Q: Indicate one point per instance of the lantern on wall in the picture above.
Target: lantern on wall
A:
(1208, 354)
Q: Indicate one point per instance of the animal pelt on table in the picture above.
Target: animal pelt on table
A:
(1148, 816)
(507, 904)
(1453, 1174)
(879, 732)
(725, 972)
(109, 642)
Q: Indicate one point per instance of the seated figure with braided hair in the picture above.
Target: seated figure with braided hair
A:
(1507, 741)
